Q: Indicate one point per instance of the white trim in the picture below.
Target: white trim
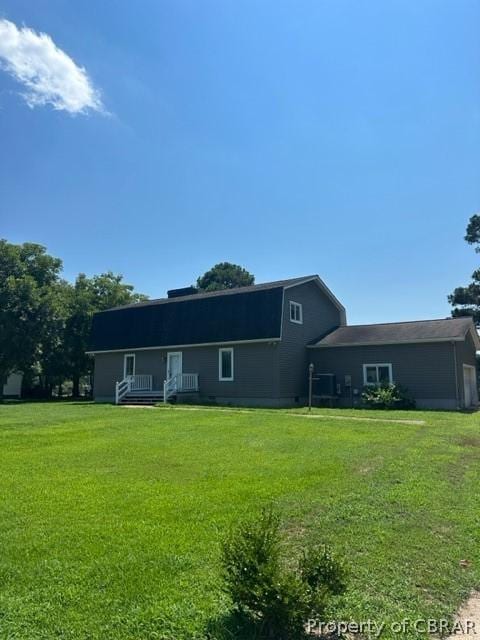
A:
(473, 391)
(185, 346)
(295, 305)
(128, 355)
(174, 353)
(377, 365)
(220, 377)
(321, 284)
(474, 333)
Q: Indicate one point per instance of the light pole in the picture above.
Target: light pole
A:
(310, 376)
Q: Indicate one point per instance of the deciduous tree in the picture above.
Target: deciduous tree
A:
(225, 275)
(89, 295)
(466, 300)
(27, 277)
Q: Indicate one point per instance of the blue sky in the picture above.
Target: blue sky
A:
(331, 137)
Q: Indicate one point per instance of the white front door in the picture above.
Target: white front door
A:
(469, 385)
(174, 365)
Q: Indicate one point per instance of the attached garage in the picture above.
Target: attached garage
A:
(434, 359)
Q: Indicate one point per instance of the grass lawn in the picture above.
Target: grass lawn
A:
(110, 518)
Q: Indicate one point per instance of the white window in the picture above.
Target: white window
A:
(377, 373)
(225, 365)
(128, 364)
(296, 312)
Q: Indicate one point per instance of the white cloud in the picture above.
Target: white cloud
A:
(49, 75)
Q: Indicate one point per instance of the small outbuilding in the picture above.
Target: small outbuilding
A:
(13, 386)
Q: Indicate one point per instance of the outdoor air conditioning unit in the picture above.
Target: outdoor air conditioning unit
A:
(324, 385)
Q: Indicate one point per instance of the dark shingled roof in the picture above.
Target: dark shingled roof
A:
(398, 332)
(246, 313)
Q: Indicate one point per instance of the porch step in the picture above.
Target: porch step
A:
(151, 397)
(146, 398)
(145, 394)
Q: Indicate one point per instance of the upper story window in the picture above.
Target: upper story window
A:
(225, 364)
(296, 312)
(129, 365)
(377, 374)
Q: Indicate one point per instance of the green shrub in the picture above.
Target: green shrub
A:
(387, 396)
(273, 594)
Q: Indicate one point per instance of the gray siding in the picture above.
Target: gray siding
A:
(427, 370)
(320, 316)
(109, 370)
(256, 371)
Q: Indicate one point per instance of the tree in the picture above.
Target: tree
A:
(466, 300)
(473, 231)
(225, 275)
(27, 275)
(89, 295)
(52, 365)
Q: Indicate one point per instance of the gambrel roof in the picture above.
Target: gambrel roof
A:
(245, 314)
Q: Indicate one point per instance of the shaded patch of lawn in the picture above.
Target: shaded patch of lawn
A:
(110, 519)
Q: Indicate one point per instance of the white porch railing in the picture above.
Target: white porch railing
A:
(121, 389)
(169, 388)
(142, 382)
(189, 382)
(181, 382)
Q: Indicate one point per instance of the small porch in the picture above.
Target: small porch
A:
(139, 388)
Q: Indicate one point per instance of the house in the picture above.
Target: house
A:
(253, 345)
(13, 386)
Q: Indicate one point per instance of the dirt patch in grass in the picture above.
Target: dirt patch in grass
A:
(310, 416)
(469, 441)
(468, 458)
(468, 618)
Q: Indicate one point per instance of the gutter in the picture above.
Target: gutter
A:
(170, 347)
(383, 344)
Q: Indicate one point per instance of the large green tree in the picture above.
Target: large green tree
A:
(466, 300)
(28, 276)
(225, 275)
(52, 365)
(87, 296)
